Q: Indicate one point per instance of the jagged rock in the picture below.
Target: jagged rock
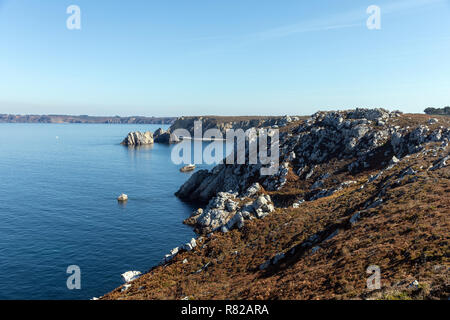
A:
(252, 190)
(335, 135)
(138, 138)
(262, 206)
(277, 181)
(161, 136)
(237, 221)
(369, 114)
(440, 163)
(433, 121)
(189, 246)
(217, 213)
(223, 212)
(278, 257)
(130, 275)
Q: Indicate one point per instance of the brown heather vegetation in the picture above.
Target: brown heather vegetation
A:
(407, 237)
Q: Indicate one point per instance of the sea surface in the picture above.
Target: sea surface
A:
(58, 189)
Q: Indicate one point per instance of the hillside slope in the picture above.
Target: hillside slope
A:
(355, 188)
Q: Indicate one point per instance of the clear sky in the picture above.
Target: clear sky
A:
(227, 57)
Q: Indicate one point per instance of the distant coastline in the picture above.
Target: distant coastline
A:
(13, 118)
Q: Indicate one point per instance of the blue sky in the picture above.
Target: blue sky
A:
(233, 57)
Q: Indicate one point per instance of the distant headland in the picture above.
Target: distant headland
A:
(51, 118)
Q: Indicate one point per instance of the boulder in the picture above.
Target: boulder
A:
(122, 198)
(130, 275)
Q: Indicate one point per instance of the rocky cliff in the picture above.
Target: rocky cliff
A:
(225, 123)
(14, 118)
(354, 189)
(137, 138)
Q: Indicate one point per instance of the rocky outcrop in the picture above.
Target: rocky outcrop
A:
(13, 118)
(130, 276)
(189, 246)
(225, 212)
(144, 138)
(438, 111)
(347, 182)
(357, 135)
(138, 138)
(161, 136)
(225, 123)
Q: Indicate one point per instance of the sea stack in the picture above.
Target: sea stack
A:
(138, 138)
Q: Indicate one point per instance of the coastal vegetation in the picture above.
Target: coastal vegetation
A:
(355, 188)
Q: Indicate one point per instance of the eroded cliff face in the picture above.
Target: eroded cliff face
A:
(226, 123)
(361, 138)
(354, 188)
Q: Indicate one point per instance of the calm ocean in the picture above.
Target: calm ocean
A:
(58, 190)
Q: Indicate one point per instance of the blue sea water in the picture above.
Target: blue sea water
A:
(58, 207)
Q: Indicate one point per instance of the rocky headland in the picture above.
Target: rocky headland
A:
(52, 118)
(353, 189)
(225, 123)
(208, 122)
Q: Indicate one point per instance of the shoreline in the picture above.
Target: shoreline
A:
(231, 231)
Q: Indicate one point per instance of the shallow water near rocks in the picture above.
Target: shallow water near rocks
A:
(58, 189)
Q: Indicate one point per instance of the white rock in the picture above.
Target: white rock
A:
(131, 275)
(414, 285)
(122, 197)
(433, 121)
(394, 160)
(125, 287)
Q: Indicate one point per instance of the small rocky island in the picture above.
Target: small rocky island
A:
(137, 138)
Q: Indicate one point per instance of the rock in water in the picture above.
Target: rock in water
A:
(123, 197)
(138, 138)
(162, 136)
(187, 168)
